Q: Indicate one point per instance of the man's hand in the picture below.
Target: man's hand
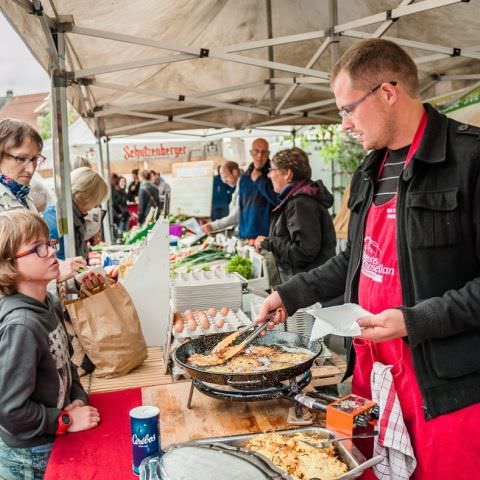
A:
(83, 418)
(256, 174)
(272, 303)
(387, 325)
(70, 267)
(258, 242)
(207, 228)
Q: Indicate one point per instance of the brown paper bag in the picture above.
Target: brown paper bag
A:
(108, 328)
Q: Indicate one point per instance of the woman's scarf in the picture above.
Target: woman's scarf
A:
(20, 191)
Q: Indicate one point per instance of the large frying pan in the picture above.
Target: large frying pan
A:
(206, 343)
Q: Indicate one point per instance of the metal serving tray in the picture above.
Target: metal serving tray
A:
(348, 453)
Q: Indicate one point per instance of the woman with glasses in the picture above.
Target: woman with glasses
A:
(301, 234)
(20, 147)
(20, 156)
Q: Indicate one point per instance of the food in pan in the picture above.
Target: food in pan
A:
(299, 460)
(256, 358)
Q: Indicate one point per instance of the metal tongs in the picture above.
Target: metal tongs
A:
(326, 443)
(227, 341)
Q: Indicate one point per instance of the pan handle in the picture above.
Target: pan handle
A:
(246, 382)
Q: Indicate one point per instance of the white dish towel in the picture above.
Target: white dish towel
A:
(393, 442)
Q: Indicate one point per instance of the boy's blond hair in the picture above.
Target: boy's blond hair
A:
(16, 228)
(89, 189)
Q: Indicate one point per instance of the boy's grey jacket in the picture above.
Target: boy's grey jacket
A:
(36, 377)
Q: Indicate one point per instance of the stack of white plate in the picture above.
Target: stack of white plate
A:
(205, 289)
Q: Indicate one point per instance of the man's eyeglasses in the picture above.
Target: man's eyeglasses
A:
(347, 111)
(259, 152)
(41, 249)
(271, 169)
(24, 161)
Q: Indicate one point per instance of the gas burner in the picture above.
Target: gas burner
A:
(250, 392)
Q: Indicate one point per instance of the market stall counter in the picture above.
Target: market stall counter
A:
(105, 452)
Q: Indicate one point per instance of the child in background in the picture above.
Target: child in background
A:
(40, 393)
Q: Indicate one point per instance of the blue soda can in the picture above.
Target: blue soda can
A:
(144, 423)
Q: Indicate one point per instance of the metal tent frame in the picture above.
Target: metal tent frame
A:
(268, 75)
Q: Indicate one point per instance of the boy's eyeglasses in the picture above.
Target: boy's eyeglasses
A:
(41, 249)
(347, 111)
(24, 161)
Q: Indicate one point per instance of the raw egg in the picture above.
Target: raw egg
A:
(192, 324)
(220, 323)
(224, 311)
(212, 311)
(204, 323)
(179, 326)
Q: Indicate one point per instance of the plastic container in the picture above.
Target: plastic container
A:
(175, 229)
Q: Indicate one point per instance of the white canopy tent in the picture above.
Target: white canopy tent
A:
(165, 65)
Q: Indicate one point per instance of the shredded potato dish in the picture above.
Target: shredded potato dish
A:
(298, 459)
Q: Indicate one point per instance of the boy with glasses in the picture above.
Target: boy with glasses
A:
(40, 393)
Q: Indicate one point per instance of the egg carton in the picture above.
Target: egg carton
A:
(232, 321)
(205, 277)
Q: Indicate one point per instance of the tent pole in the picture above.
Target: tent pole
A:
(109, 181)
(101, 170)
(333, 16)
(271, 73)
(61, 154)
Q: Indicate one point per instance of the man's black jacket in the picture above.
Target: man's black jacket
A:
(438, 242)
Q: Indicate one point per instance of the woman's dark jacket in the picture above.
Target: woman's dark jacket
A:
(147, 198)
(302, 235)
(438, 243)
(119, 204)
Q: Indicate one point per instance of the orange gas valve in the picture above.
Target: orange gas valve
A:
(351, 412)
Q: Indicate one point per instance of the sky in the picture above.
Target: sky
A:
(19, 71)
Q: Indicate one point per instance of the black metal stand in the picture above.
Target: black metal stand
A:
(281, 390)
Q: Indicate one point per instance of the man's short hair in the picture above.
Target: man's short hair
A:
(230, 166)
(374, 61)
(145, 174)
(17, 227)
(135, 171)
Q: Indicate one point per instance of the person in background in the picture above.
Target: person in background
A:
(119, 204)
(302, 235)
(20, 155)
(89, 190)
(134, 187)
(40, 392)
(256, 195)
(148, 197)
(39, 195)
(412, 260)
(230, 175)
(164, 188)
(221, 196)
(81, 162)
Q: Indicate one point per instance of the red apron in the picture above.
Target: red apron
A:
(448, 446)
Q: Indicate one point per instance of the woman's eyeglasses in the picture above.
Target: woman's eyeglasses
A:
(41, 249)
(24, 161)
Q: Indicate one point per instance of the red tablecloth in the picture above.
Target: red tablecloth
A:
(103, 453)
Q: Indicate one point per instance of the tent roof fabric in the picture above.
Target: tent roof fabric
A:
(166, 65)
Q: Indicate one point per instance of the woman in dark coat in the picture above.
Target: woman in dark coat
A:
(302, 235)
(119, 204)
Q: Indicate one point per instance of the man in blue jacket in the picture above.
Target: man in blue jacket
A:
(257, 197)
